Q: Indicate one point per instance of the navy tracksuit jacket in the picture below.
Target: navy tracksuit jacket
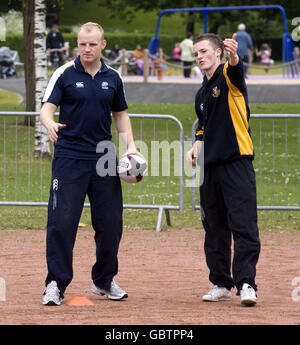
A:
(85, 104)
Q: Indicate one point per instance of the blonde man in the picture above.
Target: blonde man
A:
(88, 92)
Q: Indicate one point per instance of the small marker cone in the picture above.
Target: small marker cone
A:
(79, 301)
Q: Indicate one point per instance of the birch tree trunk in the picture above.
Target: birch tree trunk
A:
(41, 142)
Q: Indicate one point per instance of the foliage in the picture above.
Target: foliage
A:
(262, 24)
(13, 22)
(130, 40)
(129, 6)
(125, 40)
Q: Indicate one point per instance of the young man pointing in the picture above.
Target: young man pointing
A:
(228, 192)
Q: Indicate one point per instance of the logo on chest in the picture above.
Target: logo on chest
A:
(104, 85)
(79, 84)
(215, 92)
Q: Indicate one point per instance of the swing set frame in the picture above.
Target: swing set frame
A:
(287, 41)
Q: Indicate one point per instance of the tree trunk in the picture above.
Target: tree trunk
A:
(41, 143)
(28, 27)
(190, 27)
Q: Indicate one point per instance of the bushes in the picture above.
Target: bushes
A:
(130, 40)
(125, 40)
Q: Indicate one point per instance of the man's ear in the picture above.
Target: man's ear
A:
(103, 44)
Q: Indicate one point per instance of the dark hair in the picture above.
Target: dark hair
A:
(189, 35)
(214, 39)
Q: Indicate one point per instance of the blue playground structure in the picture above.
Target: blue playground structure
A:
(287, 41)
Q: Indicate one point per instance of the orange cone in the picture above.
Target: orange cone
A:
(79, 301)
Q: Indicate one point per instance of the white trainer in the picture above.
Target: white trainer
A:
(217, 294)
(248, 295)
(51, 294)
(115, 292)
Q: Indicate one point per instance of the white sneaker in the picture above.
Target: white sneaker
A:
(248, 295)
(216, 294)
(115, 292)
(51, 294)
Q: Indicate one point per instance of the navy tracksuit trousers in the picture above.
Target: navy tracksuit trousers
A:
(229, 209)
(72, 180)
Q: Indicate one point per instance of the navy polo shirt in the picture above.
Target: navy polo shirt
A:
(85, 104)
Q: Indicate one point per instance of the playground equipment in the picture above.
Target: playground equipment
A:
(287, 42)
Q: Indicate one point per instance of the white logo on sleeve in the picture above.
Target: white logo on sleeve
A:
(55, 184)
(104, 85)
(79, 84)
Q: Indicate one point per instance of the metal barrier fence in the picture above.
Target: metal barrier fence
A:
(276, 140)
(26, 179)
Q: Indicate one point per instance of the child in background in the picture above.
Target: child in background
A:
(265, 56)
(176, 53)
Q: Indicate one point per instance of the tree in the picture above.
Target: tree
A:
(128, 8)
(35, 67)
(28, 36)
(41, 143)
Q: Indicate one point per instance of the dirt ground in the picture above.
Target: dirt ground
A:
(164, 274)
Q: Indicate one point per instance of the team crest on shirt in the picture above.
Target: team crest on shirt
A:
(216, 92)
(79, 84)
(104, 85)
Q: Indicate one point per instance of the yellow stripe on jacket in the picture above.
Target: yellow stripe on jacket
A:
(201, 131)
(238, 112)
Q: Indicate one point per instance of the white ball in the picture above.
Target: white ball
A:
(132, 168)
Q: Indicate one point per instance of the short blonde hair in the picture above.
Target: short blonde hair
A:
(89, 26)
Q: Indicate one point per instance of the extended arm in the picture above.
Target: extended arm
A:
(123, 126)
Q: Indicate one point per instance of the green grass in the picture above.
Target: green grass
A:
(8, 98)
(256, 69)
(15, 183)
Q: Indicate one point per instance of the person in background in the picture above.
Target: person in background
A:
(265, 56)
(138, 57)
(138, 52)
(176, 53)
(245, 46)
(187, 56)
(55, 40)
(114, 53)
(74, 55)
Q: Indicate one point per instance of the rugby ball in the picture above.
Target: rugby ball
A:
(132, 168)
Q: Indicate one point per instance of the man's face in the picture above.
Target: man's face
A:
(207, 57)
(90, 45)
